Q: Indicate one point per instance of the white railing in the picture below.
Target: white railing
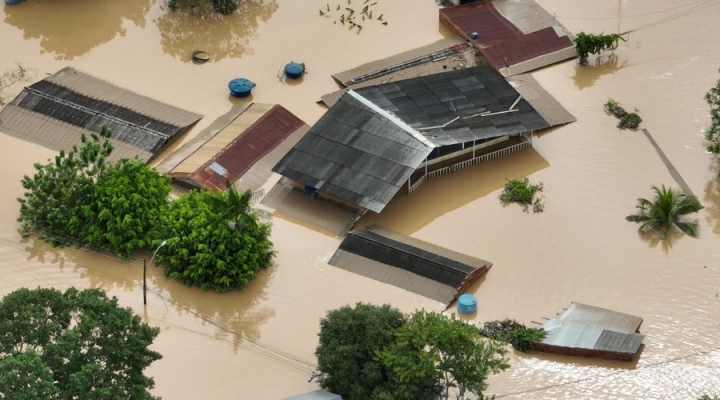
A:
(467, 163)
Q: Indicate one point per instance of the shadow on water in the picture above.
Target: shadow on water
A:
(238, 315)
(576, 361)
(586, 75)
(653, 239)
(224, 36)
(408, 213)
(84, 23)
(711, 200)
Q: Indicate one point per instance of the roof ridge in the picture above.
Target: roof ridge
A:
(392, 118)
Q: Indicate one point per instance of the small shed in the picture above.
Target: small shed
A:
(316, 395)
(414, 265)
(228, 153)
(57, 110)
(587, 331)
(514, 36)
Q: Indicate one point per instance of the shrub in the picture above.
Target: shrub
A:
(627, 120)
(521, 191)
(513, 332)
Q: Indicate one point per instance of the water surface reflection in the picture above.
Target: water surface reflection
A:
(228, 36)
(587, 75)
(84, 23)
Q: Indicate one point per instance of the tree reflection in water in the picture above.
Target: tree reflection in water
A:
(220, 36)
(84, 23)
(586, 75)
(711, 199)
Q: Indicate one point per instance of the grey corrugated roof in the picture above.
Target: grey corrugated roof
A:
(542, 101)
(446, 107)
(132, 118)
(586, 327)
(316, 395)
(355, 154)
(409, 263)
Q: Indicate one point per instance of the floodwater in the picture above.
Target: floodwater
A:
(259, 343)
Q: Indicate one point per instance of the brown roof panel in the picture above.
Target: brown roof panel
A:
(243, 150)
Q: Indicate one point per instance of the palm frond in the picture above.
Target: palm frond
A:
(637, 218)
(690, 228)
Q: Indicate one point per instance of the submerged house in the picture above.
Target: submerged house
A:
(379, 139)
(240, 147)
(57, 110)
(587, 331)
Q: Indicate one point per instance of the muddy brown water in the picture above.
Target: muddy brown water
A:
(259, 343)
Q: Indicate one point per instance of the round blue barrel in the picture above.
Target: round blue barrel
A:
(240, 87)
(467, 304)
(294, 70)
(11, 2)
(474, 35)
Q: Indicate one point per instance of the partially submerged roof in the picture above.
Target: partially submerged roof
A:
(55, 111)
(542, 101)
(316, 395)
(356, 154)
(367, 145)
(229, 153)
(515, 36)
(593, 332)
(412, 264)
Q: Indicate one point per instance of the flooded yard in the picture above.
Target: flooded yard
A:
(259, 343)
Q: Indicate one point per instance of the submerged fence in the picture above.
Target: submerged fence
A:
(467, 163)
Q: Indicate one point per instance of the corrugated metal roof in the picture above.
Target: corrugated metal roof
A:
(64, 114)
(500, 40)
(458, 106)
(355, 154)
(234, 150)
(407, 263)
(542, 101)
(586, 327)
(316, 395)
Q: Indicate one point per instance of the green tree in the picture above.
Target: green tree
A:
(204, 7)
(58, 188)
(349, 338)
(712, 97)
(92, 347)
(667, 209)
(586, 44)
(433, 353)
(201, 251)
(125, 204)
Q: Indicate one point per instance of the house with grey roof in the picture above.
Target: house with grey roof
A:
(379, 139)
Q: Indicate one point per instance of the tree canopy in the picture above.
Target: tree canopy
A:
(666, 210)
(202, 249)
(712, 134)
(373, 352)
(586, 44)
(76, 344)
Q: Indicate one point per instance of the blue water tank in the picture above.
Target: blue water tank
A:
(467, 304)
(474, 35)
(294, 70)
(240, 87)
(11, 2)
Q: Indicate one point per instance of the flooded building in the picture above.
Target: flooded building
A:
(57, 110)
(414, 265)
(379, 139)
(240, 147)
(514, 36)
(587, 331)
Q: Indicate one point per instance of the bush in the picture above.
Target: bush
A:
(521, 191)
(586, 44)
(204, 7)
(627, 120)
(524, 338)
(513, 332)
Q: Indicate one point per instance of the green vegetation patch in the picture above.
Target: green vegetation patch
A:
(627, 120)
(513, 332)
(521, 191)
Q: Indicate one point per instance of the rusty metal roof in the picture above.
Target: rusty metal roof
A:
(232, 151)
(502, 42)
(55, 116)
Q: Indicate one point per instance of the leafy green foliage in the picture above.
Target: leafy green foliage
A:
(513, 332)
(345, 354)
(61, 187)
(627, 120)
(77, 344)
(586, 44)
(712, 97)
(708, 397)
(202, 250)
(125, 204)
(433, 353)
(204, 7)
(666, 210)
(524, 338)
(521, 191)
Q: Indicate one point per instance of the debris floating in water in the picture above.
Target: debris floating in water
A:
(350, 15)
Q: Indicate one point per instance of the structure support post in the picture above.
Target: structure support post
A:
(144, 282)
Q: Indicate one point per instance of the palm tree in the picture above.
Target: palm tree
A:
(237, 208)
(666, 210)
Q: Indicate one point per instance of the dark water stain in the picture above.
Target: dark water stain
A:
(223, 36)
(71, 28)
(587, 75)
